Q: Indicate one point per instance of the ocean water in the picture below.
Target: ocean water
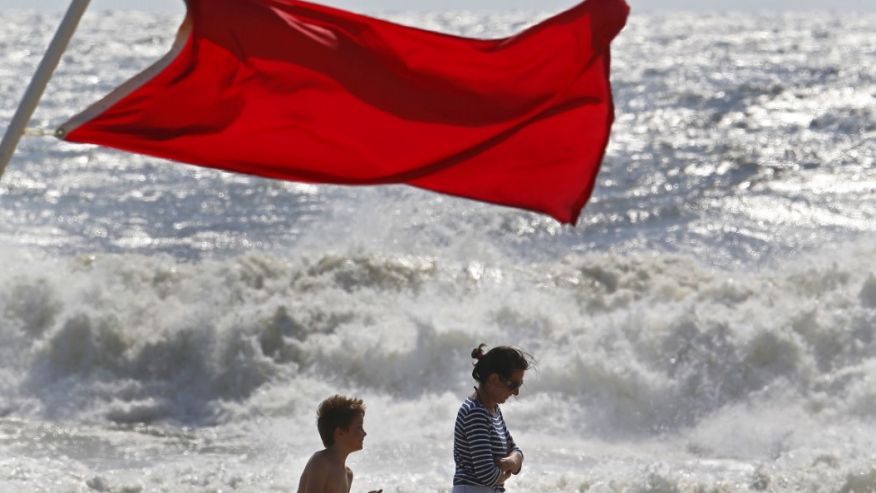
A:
(709, 326)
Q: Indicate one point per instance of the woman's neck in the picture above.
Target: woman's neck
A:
(482, 396)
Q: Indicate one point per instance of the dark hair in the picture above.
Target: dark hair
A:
(337, 412)
(502, 360)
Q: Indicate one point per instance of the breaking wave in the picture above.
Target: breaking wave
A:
(640, 343)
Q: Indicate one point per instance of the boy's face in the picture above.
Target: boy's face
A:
(352, 438)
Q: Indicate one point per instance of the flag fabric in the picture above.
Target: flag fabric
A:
(298, 91)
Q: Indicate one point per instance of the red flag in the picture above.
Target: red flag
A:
(297, 91)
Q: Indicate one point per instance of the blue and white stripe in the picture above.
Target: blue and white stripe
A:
(479, 440)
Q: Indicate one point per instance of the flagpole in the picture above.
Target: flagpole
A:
(40, 80)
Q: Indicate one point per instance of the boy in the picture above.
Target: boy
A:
(339, 421)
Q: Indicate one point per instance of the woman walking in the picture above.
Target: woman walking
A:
(485, 454)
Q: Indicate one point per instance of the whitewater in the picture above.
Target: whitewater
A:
(709, 326)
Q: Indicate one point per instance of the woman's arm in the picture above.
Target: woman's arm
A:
(514, 459)
(476, 427)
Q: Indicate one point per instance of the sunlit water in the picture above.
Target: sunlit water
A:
(708, 326)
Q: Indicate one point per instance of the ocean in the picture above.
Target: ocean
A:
(708, 326)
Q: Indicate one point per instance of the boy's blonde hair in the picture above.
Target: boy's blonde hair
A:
(337, 412)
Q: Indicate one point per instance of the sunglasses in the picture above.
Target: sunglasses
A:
(512, 385)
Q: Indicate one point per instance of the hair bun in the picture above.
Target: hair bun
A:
(478, 352)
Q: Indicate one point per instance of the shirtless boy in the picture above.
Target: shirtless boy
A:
(339, 420)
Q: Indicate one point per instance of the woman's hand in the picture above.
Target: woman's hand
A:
(511, 464)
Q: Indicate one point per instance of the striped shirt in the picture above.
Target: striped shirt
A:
(479, 439)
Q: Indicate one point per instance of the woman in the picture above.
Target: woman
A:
(485, 454)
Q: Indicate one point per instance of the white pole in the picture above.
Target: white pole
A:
(40, 81)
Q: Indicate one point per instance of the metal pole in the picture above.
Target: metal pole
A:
(40, 81)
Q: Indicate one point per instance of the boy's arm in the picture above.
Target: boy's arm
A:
(350, 481)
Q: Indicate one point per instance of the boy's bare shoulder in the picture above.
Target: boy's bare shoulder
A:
(318, 459)
(324, 475)
(313, 477)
